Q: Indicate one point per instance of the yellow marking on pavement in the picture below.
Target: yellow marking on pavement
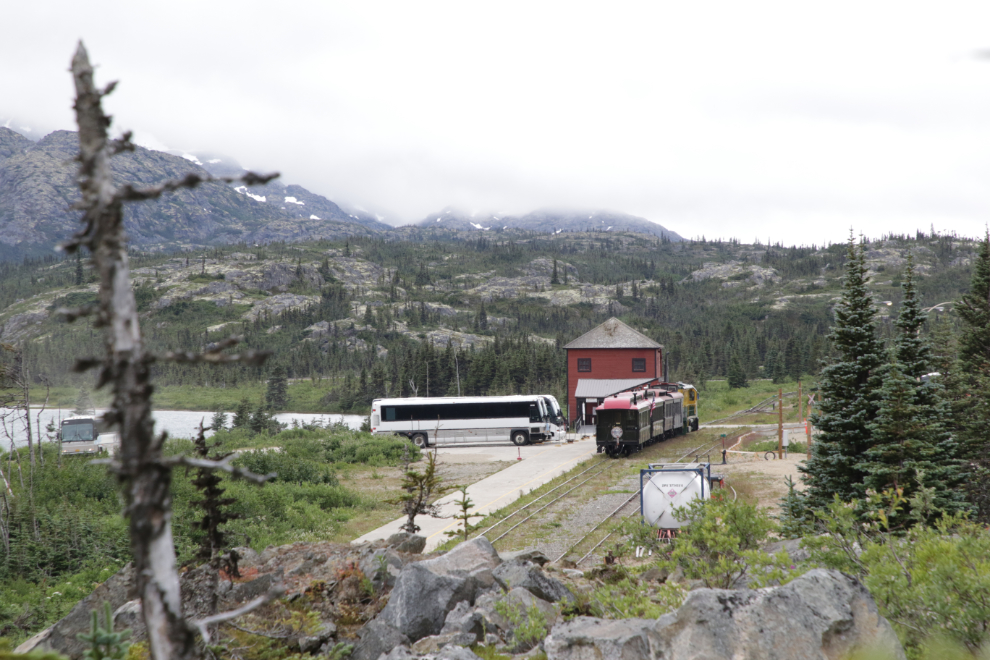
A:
(512, 490)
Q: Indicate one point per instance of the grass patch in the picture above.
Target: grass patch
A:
(718, 401)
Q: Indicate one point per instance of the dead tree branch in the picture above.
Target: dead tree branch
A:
(221, 465)
(202, 625)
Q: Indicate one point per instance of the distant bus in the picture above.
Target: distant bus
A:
(80, 436)
(470, 419)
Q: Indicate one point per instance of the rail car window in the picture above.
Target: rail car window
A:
(584, 364)
(639, 364)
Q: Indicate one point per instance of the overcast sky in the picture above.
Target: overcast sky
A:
(789, 121)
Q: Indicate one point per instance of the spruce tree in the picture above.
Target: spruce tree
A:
(971, 382)
(553, 277)
(242, 415)
(902, 454)
(913, 355)
(84, 403)
(850, 392)
(277, 392)
(737, 377)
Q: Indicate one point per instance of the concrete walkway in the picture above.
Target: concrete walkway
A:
(540, 464)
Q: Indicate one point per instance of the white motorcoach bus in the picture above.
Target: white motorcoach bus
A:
(466, 419)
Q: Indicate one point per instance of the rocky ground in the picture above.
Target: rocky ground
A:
(387, 601)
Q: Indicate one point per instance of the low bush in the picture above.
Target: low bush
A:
(720, 545)
(931, 583)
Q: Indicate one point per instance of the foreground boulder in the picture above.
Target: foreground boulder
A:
(531, 577)
(822, 614)
(426, 591)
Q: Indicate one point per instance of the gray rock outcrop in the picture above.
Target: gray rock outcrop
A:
(377, 638)
(822, 614)
(425, 592)
(531, 577)
(61, 636)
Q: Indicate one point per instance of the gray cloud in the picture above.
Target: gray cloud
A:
(769, 119)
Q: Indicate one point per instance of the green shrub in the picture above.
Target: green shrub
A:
(357, 447)
(931, 583)
(289, 468)
(628, 598)
(721, 544)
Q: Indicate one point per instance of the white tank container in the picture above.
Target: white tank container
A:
(669, 486)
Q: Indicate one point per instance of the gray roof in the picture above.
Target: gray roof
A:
(592, 388)
(613, 333)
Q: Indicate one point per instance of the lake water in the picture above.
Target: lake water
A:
(178, 423)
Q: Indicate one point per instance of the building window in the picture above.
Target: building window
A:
(639, 364)
(584, 364)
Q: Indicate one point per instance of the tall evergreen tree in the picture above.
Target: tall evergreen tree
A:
(902, 456)
(913, 356)
(242, 415)
(971, 405)
(277, 392)
(553, 277)
(737, 377)
(850, 392)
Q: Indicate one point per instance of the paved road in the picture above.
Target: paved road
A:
(539, 464)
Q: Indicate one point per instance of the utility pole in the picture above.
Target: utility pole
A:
(780, 423)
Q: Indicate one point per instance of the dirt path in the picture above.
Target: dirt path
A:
(762, 481)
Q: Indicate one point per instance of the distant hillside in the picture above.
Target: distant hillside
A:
(546, 220)
(37, 187)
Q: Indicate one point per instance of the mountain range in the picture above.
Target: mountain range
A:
(37, 190)
(547, 220)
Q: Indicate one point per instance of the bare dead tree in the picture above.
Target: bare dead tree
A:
(145, 475)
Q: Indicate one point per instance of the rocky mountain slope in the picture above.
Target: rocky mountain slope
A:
(37, 188)
(548, 220)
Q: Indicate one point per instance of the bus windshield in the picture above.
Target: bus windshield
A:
(77, 430)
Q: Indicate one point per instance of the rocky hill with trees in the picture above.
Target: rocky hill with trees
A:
(486, 312)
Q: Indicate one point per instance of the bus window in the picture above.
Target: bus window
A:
(77, 430)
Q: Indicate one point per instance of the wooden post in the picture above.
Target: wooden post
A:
(780, 423)
(800, 404)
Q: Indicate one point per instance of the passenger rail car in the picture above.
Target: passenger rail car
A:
(629, 421)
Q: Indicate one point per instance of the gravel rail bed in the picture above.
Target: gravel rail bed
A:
(580, 520)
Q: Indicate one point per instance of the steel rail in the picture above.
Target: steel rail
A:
(592, 531)
(622, 506)
(548, 504)
(604, 467)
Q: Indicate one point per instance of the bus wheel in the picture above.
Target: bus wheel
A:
(519, 438)
(420, 441)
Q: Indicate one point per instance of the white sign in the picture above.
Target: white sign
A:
(616, 432)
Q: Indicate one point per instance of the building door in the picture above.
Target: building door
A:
(589, 411)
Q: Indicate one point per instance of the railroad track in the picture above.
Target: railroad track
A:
(691, 452)
(700, 450)
(602, 467)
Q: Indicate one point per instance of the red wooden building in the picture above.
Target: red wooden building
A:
(611, 358)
